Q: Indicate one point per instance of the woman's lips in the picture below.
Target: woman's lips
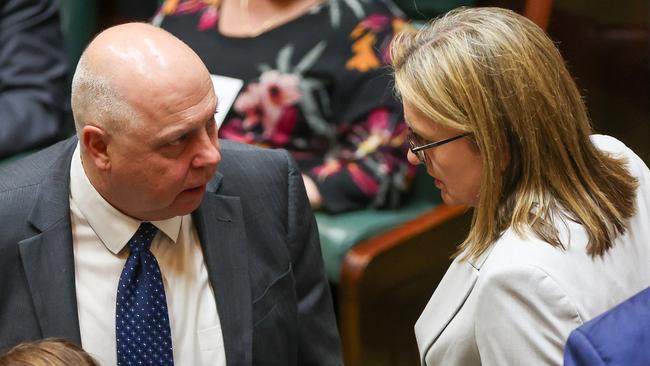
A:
(438, 183)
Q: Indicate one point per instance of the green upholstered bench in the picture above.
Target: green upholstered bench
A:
(78, 24)
(340, 232)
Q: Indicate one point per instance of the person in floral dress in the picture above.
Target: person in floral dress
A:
(315, 83)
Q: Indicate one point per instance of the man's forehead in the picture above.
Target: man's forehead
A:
(173, 109)
(144, 53)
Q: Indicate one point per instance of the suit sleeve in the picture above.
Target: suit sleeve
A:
(32, 75)
(523, 318)
(580, 352)
(319, 342)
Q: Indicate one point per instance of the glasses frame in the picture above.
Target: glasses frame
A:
(418, 150)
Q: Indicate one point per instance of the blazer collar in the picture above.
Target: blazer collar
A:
(220, 224)
(47, 256)
(446, 301)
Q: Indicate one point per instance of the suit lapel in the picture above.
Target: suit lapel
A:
(446, 301)
(47, 256)
(220, 225)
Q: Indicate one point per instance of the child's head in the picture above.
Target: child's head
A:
(47, 352)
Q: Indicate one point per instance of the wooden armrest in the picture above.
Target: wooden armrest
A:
(387, 280)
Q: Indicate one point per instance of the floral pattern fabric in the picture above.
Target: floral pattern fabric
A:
(317, 86)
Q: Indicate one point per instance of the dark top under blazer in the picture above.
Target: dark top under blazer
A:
(259, 240)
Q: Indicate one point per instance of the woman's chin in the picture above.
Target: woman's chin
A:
(449, 199)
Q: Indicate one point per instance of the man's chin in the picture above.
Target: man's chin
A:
(189, 200)
(185, 203)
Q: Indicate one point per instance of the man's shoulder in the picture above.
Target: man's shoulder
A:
(240, 156)
(257, 171)
(30, 170)
(234, 146)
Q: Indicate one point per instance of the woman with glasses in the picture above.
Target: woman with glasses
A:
(561, 226)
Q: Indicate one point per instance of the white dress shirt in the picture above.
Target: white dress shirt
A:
(100, 233)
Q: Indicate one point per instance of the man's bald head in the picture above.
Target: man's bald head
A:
(126, 67)
(144, 107)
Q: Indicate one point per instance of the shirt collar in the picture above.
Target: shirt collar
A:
(112, 227)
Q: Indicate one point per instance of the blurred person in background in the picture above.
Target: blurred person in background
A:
(314, 83)
(33, 97)
(560, 227)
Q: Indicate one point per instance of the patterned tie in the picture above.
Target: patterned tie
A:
(141, 319)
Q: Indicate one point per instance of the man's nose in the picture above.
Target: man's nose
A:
(208, 153)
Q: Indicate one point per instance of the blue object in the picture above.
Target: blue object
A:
(141, 320)
(620, 336)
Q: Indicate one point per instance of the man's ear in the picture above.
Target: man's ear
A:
(95, 141)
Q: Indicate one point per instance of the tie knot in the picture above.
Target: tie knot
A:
(142, 238)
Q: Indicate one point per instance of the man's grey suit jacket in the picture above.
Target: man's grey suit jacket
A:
(260, 245)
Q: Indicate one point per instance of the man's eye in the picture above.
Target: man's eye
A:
(178, 141)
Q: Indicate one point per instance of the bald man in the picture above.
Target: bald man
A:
(146, 239)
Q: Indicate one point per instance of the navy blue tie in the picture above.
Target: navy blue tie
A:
(141, 318)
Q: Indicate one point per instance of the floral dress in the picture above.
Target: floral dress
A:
(317, 86)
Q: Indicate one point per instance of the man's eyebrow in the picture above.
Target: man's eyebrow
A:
(172, 134)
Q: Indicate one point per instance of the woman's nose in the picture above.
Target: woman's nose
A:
(413, 158)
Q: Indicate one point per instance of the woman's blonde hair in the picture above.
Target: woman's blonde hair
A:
(494, 73)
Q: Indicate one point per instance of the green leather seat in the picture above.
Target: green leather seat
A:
(78, 24)
(340, 232)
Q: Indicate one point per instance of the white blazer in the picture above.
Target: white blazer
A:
(517, 303)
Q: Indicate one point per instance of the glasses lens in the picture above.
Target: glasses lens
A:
(415, 141)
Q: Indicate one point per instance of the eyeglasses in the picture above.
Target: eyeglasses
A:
(418, 144)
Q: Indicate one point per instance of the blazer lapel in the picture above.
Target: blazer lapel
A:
(446, 301)
(220, 225)
(47, 256)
